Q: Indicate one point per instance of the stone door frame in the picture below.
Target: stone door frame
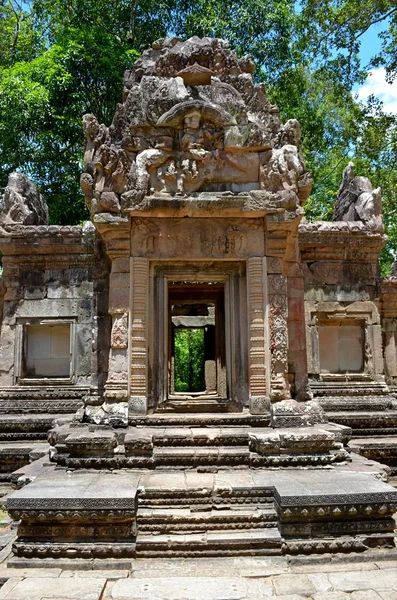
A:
(232, 275)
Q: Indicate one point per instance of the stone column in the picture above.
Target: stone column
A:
(390, 327)
(256, 282)
(297, 356)
(210, 358)
(138, 335)
(116, 387)
(278, 326)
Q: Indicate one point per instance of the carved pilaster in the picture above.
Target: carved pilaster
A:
(257, 335)
(116, 388)
(138, 335)
(278, 313)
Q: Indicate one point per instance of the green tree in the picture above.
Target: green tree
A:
(189, 360)
(62, 58)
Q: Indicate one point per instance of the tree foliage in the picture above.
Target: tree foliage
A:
(62, 58)
(189, 360)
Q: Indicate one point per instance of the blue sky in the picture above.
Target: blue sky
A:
(375, 83)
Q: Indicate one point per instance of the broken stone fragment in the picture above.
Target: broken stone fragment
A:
(290, 413)
(22, 203)
(138, 443)
(102, 443)
(358, 201)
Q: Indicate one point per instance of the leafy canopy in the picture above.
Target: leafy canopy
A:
(60, 59)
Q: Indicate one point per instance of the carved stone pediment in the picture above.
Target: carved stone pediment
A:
(192, 120)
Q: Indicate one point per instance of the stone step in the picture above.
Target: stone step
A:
(15, 455)
(201, 420)
(179, 520)
(380, 449)
(201, 436)
(206, 497)
(254, 542)
(194, 405)
(41, 400)
(201, 456)
(26, 427)
(345, 403)
(368, 422)
(348, 389)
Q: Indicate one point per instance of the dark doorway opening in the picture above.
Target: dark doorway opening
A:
(197, 363)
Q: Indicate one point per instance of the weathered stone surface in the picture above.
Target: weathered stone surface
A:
(290, 413)
(293, 584)
(357, 201)
(180, 129)
(22, 203)
(189, 588)
(44, 589)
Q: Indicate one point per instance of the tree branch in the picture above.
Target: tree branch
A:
(132, 21)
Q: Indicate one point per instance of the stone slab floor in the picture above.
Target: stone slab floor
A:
(206, 579)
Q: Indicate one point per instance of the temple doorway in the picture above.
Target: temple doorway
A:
(198, 340)
(196, 343)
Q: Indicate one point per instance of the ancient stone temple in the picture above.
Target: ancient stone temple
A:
(196, 193)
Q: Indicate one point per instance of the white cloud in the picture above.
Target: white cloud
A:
(376, 85)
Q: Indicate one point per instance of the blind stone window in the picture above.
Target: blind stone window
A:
(341, 348)
(48, 352)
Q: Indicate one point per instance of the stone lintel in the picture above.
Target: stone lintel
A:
(47, 240)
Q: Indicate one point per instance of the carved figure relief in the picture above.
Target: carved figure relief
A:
(198, 238)
(278, 336)
(119, 337)
(186, 127)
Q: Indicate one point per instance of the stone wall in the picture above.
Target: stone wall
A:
(341, 273)
(55, 280)
(389, 325)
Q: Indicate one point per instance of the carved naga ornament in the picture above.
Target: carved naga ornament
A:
(192, 121)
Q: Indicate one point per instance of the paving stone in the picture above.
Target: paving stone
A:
(104, 574)
(177, 567)
(392, 595)
(263, 571)
(364, 580)
(320, 582)
(188, 588)
(334, 567)
(365, 595)
(163, 481)
(332, 596)
(293, 584)
(66, 589)
(199, 480)
(9, 586)
(5, 572)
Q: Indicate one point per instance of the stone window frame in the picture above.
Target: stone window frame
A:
(363, 313)
(20, 350)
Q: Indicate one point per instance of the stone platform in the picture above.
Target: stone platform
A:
(76, 515)
(166, 446)
(185, 513)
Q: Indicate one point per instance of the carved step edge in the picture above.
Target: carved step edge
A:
(82, 510)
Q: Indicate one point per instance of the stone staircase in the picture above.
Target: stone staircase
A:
(207, 523)
(205, 447)
(370, 410)
(26, 416)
